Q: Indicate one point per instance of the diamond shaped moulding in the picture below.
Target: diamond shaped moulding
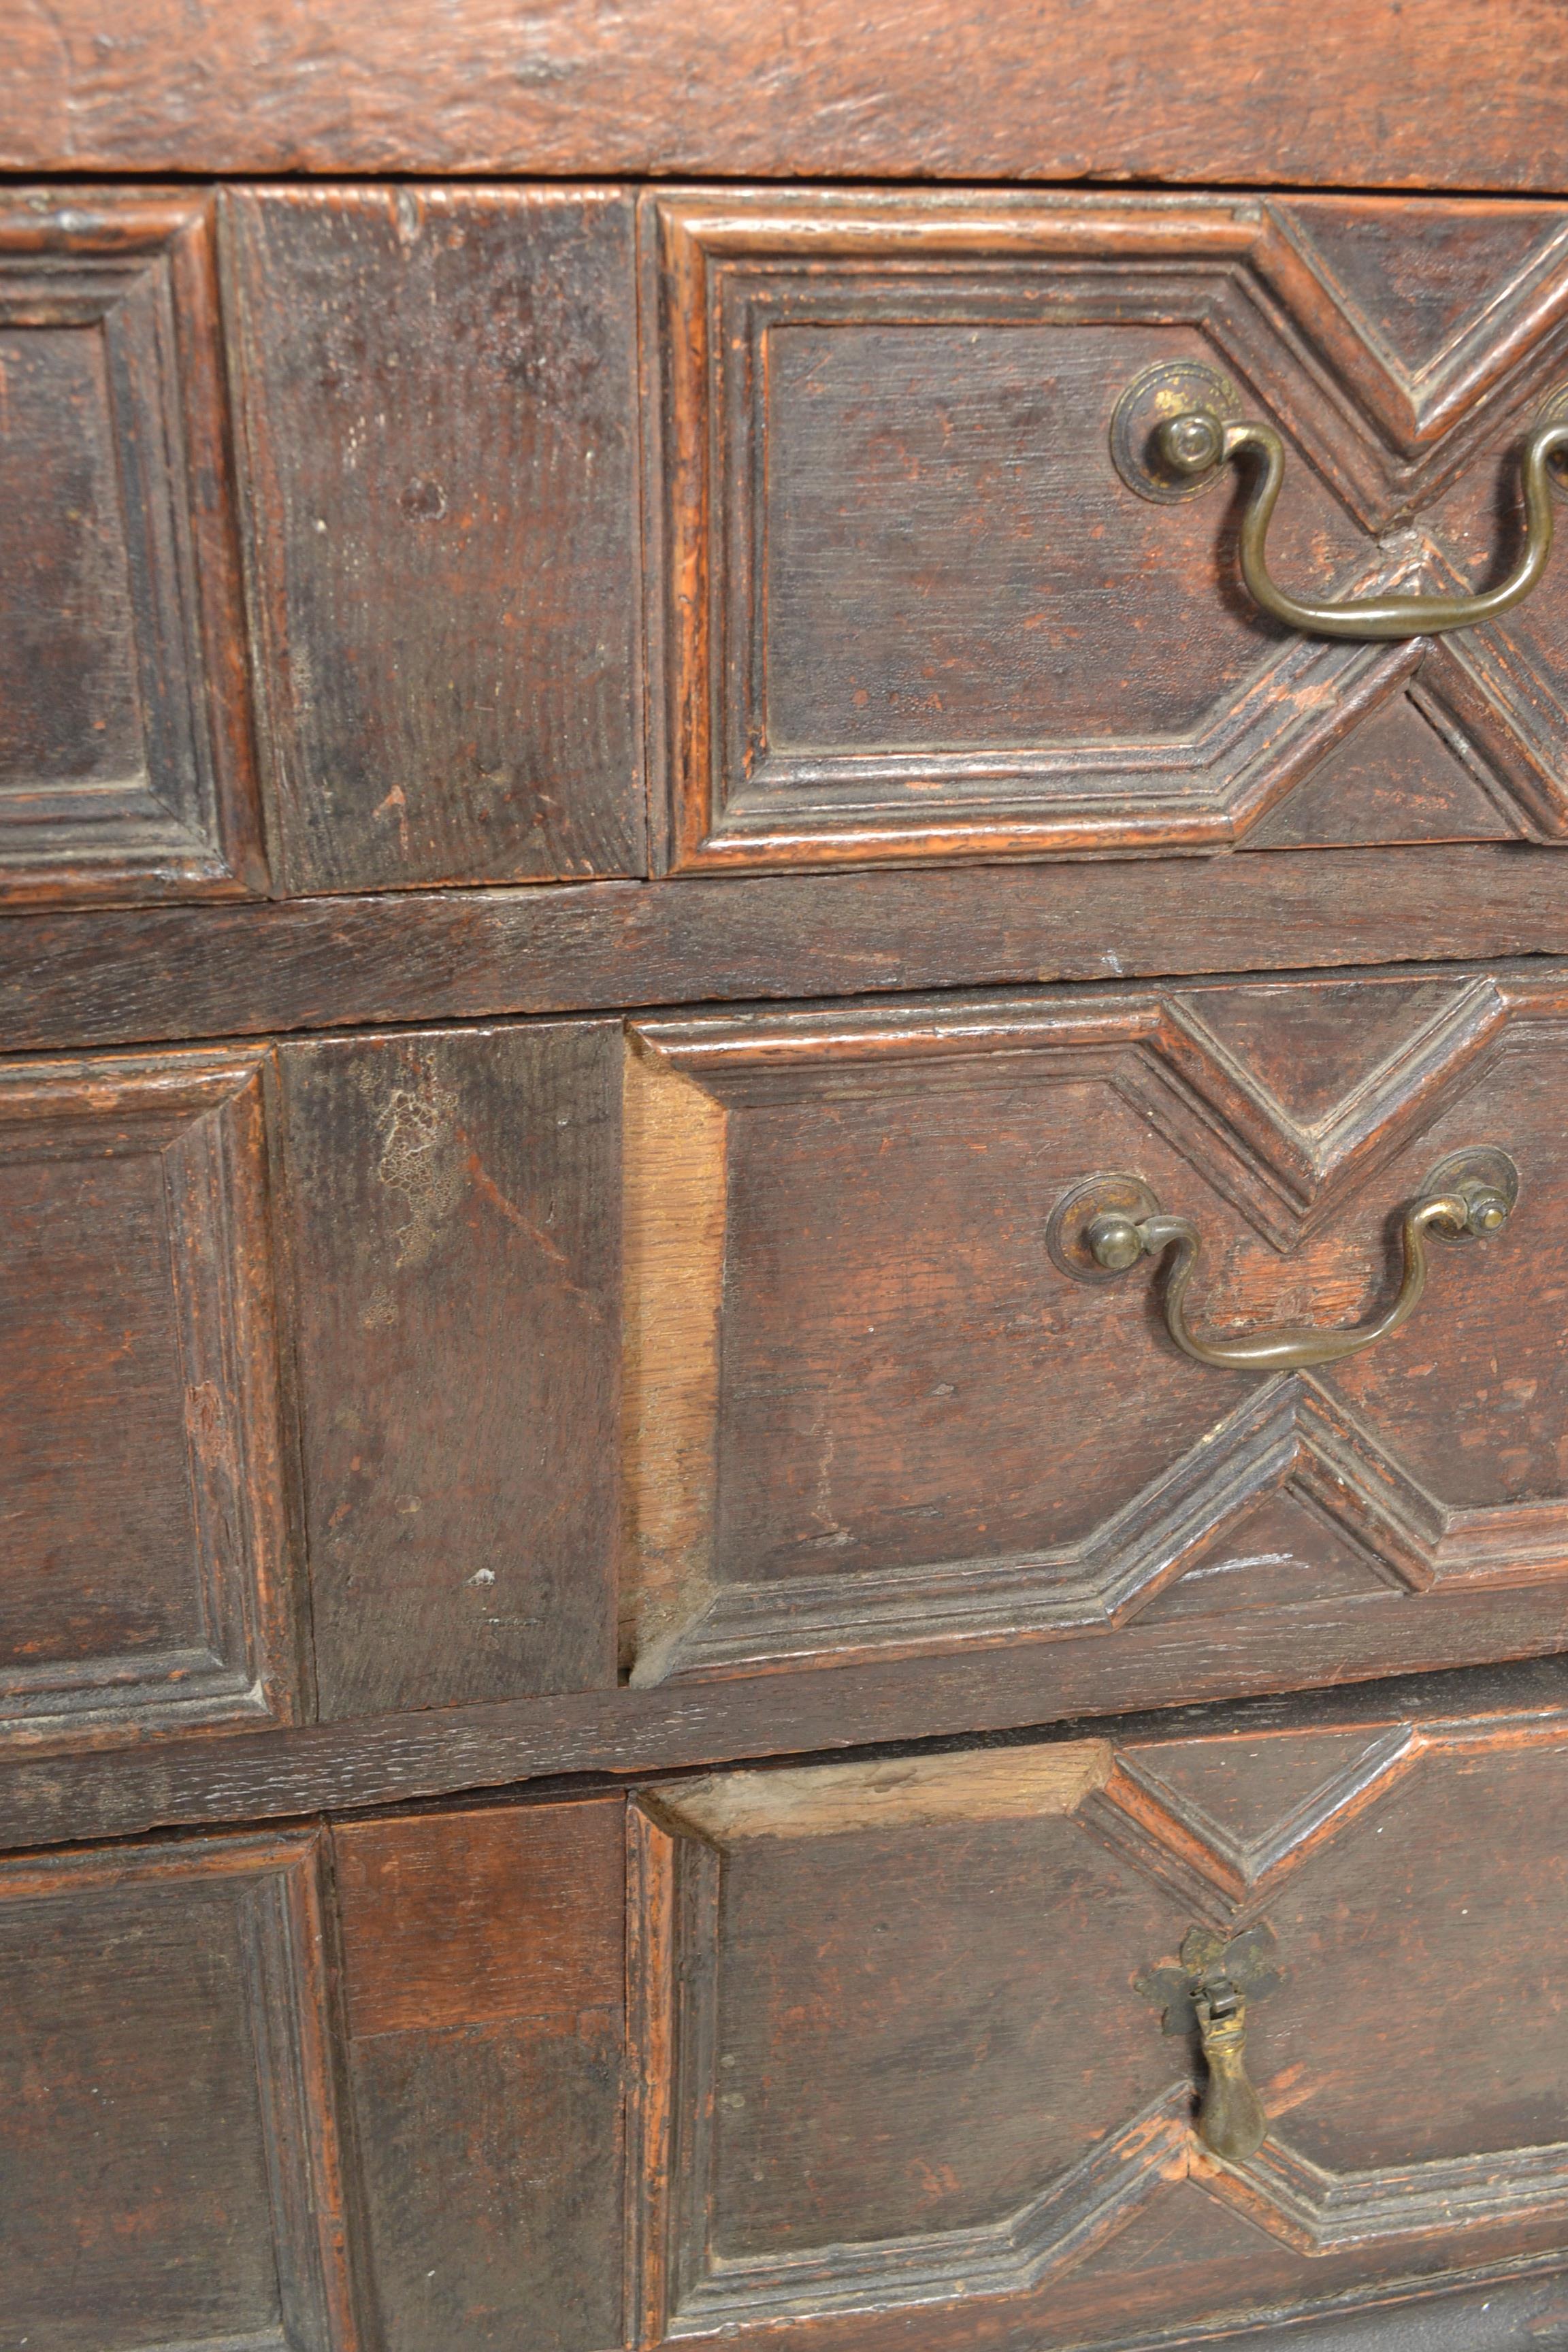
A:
(916, 1442)
(758, 1962)
(1432, 309)
(902, 605)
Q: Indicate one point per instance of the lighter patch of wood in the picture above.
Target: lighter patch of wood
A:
(674, 1138)
(914, 1793)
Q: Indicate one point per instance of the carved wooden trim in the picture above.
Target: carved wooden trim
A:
(142, 271)
(1286, 1177)
(680, 1833)
(1418, 410)
(1230, 1882)
(1016, 2256)
(203, 1115)
(650, 2067)
(1321, 2212)
(276, 1879)
(687, 1828)
(720, 269)
(1246, 1874)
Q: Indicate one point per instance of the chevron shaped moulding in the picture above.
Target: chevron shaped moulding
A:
(950, 1460)
(857, 390)
(785, 2039)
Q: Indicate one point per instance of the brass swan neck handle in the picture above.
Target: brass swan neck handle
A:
(1105, 1226)
(1197, 443)
(1175, 430)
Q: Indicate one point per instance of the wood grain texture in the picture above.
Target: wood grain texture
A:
(454, 1245)
(674, 1137)
(147, 1579)
(449, 1919)
(888, 2101)
(922, 1430)
(915, 1793)
(169, 2134)
(437, 391)
(328, 963)
(1383, 96)
(125, 756)
(392, 1758)
(903, 605)
(485, 1980)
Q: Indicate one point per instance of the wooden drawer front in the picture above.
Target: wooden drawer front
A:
(906, 2080)
(906, 607)
(426, 455)
(424, 1229)
(142, 1567)
(213, 2133)
(866, 2055)
(167, 2138)
(867, 1414)
(747, 1332)
(124, 768)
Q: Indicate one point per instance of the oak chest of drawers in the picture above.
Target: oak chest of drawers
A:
(784, 1180)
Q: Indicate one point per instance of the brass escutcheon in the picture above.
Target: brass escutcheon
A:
(1208, 1990)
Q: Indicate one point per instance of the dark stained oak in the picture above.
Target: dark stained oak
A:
(899, 604)
(605, 794)
(125, 755)
(392, 1758)
(904, 2065)
(120, 977)
(485, 1978)
(437, 392)
(1372, 95)
(866, 1410)
(454, 1246)
(865, 2049)
(168, 2119)
(147, 1577)
(743, 1327)
(902, 604)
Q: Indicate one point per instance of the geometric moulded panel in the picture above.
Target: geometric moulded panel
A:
(142, 1566)
(167, 2133)
(866, 1413)
(904, 2075)
(124, 736)
(903, 605)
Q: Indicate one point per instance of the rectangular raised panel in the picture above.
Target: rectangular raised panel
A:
(124, 735)
(901, 2077)
(904, 606)
(455, 1264)
(438, 389)
(142, 1554)
(166, 2119)
(865, 1413)
(484, 1970)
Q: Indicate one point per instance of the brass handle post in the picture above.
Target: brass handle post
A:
(1106, 1225)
